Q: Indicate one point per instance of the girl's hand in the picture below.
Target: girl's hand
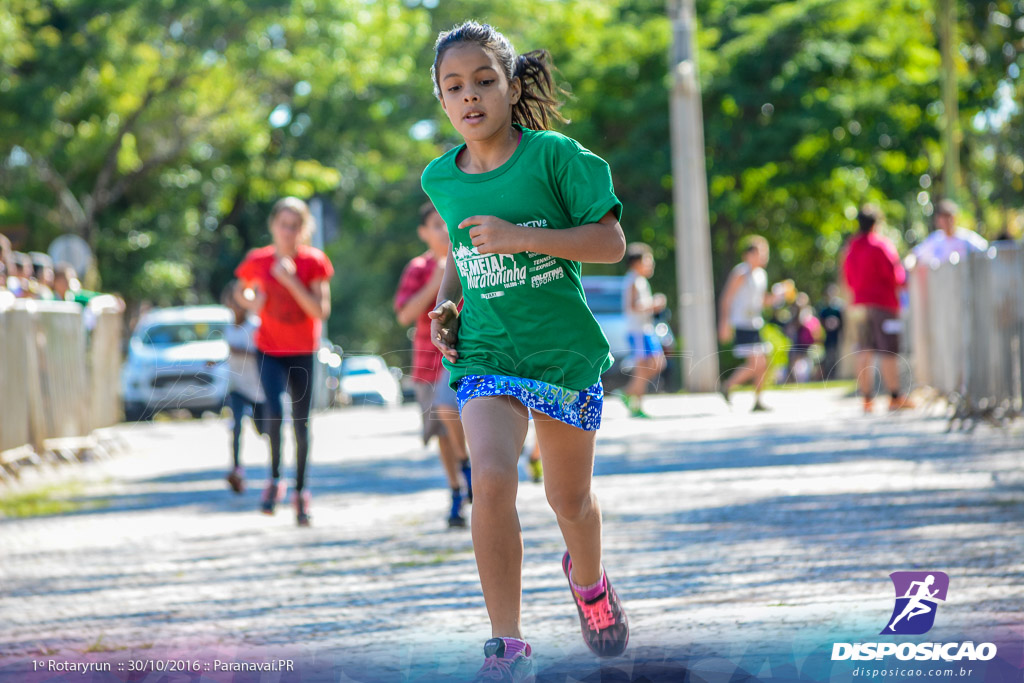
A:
(492, 235)
(283, 269)
(259, 300)
(253, 299)
(444, 329)
(660, 301)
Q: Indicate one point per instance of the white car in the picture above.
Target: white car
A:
(367, 380)
(177, 359)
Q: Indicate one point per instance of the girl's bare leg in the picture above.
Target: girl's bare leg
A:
(568, 458)
(495, 429)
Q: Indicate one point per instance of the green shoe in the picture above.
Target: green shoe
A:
(536, 471)
(638, 412)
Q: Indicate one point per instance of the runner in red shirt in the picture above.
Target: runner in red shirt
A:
(288, 284)
(874, 273)
(417, 291)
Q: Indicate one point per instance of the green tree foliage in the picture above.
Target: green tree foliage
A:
(162, 130)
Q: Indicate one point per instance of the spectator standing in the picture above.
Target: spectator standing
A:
(947, 238)
(6, 261)
(831, 317)
(42, 267)
(874, 274)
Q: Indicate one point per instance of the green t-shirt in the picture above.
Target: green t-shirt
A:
(525, 314)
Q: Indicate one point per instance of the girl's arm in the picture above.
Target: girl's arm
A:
(656, 306)
(724, 328)
(444, 319)
(253, 305)
(451, 288)
(600, 242)
(314, 300)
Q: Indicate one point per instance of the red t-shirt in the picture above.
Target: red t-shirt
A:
(285, 329)
(426, 359)
(873, 270)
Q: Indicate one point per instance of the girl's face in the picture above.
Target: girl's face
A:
(286, 231)
(475, 94)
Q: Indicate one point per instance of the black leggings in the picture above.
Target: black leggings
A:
(294, 373)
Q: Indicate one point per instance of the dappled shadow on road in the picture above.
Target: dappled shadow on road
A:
(207, 490)
(745, 546)
(779, 544)
(774, 446)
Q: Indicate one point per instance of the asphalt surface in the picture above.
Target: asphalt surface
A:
(731, 537)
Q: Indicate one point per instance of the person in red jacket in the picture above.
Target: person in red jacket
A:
(288, 284)
(874, 274)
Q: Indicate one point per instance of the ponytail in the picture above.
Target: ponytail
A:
(539, 101)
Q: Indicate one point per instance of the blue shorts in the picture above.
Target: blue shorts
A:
(644, 345)
(581, 409)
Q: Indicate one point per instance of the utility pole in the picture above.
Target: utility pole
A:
(946, 16)
(690, 196)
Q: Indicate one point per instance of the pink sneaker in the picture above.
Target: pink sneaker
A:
(517, 668)
(236, 480)
(602, 620)
(272, 495)
(301, 502)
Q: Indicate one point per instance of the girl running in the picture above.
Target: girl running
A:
(524, 206)
(288, 284)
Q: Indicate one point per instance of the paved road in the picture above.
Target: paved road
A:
(723, 530)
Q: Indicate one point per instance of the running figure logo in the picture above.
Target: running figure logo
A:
(917, 594)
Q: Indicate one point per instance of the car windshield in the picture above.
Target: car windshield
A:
(182, 333)
(604, 299)
(361, 366)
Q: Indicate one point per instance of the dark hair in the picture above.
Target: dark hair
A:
(426, 209)
(636, 252)
(539, 102)
(752, 243)
(867, 217)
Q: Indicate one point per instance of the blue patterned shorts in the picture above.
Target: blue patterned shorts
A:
(580, 409)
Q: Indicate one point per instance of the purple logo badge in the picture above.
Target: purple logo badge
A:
(917, 596)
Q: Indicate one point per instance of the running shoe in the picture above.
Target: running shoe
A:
(301, 500)
(723, 389)
(236, 480)
(272, 495)
(455, 518)
(626, 399)
(505, 663)
(869, 406)
(536, 470)
(900, 403)
(637, 411)
(602, 620)
(760, 408)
